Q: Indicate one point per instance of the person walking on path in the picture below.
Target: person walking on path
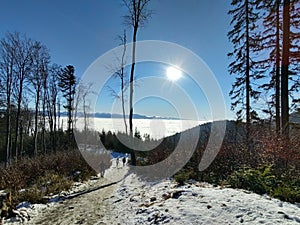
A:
(117, 163)
(102, 168)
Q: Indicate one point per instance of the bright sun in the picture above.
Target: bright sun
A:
(173, 73)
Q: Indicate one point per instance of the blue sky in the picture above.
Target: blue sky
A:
(78, 32)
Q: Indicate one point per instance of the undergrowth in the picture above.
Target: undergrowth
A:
(31, 179)
(266, 163)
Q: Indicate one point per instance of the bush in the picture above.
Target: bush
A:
(47, 185)
(287, 193)
(44, 175)
(263, 180)
(184, 175)
(258, 180)
(32, 195)
(288, 188)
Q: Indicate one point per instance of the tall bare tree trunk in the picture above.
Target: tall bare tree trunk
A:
(8, 133)
(133, 158)
(122, 75)
(19, 102)
(137, 16)
(54, 126)
(44, 124)
(58, 111)
(123, 103)
(45, 77)
(248, 118)
(36, 121)
(8, 114)
(277, 72)
(21, 137)
(285, 69)
(132, 80)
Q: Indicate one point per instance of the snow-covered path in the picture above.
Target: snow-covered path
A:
(136, 201)
(196, 203)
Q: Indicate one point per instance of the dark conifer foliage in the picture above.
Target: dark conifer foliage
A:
(265, 38)
(242, 36)
(67, 82)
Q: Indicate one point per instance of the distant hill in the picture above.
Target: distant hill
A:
(234, 131)
(120, 116)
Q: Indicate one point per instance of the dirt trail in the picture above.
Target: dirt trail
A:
(88, 208)
(85, 209)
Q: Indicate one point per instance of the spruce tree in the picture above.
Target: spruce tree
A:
(67, 82)
(244, 18)
(270, 45)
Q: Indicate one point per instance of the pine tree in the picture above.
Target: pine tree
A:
(290, 82)
(285, 61)
(270, 46)
(244, 18)
(67, 82)
(294, 67)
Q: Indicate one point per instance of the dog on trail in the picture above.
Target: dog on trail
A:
(5, 204)
(7, 210)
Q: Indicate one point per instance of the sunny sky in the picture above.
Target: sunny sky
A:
(78, 32)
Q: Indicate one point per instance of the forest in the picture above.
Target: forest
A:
(260, 151)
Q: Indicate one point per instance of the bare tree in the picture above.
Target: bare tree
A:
(44, 103)
(119, 72)
(121, 75)
(82, 90)
(52, 98)
(137, 16)
(40, 59)
(6, 71)
(85, 106)
(23, 62)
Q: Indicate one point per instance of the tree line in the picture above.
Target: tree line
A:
(32, 91)
(265, 59)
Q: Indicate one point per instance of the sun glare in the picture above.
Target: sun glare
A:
(173, 73)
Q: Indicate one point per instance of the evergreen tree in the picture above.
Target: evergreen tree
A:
(270, 45)
(67, 82)
(294, 66)
(285, 61)
(244, 18)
